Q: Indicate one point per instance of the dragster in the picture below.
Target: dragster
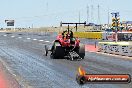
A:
(66, 46)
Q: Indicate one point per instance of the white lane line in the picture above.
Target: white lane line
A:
(47, 41)
(41, 40)
(14, 74)
(12, 36)
(34, 39)
(4, 35)
(19, 37)
(28, 38)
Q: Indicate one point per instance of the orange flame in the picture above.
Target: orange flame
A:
(81, 71)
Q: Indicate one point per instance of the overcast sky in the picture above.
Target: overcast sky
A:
(51, 12)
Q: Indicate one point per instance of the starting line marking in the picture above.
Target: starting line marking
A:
(12, 36)
(4, 35)
(34, 39)
(47, 41)
(41, 40)
(19, 37)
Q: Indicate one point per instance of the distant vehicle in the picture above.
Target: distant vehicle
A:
(66, 46)
(90, 24)
(108, 30)
(130, 29)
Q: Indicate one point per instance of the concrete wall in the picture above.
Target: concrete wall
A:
(121, 49)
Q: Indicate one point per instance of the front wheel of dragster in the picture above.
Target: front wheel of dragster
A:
(58, 51)
(46, 50)
(81, 51)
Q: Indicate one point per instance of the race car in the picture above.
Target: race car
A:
(66, 46)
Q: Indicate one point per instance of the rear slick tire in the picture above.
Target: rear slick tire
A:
(82, 51)
(58, 51)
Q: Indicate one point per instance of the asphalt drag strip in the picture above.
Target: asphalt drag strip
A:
(25, 58)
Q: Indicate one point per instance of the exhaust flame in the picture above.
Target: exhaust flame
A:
(81, 71)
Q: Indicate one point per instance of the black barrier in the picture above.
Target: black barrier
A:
(125, 36)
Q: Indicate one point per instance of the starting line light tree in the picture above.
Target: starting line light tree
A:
(115, 23)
